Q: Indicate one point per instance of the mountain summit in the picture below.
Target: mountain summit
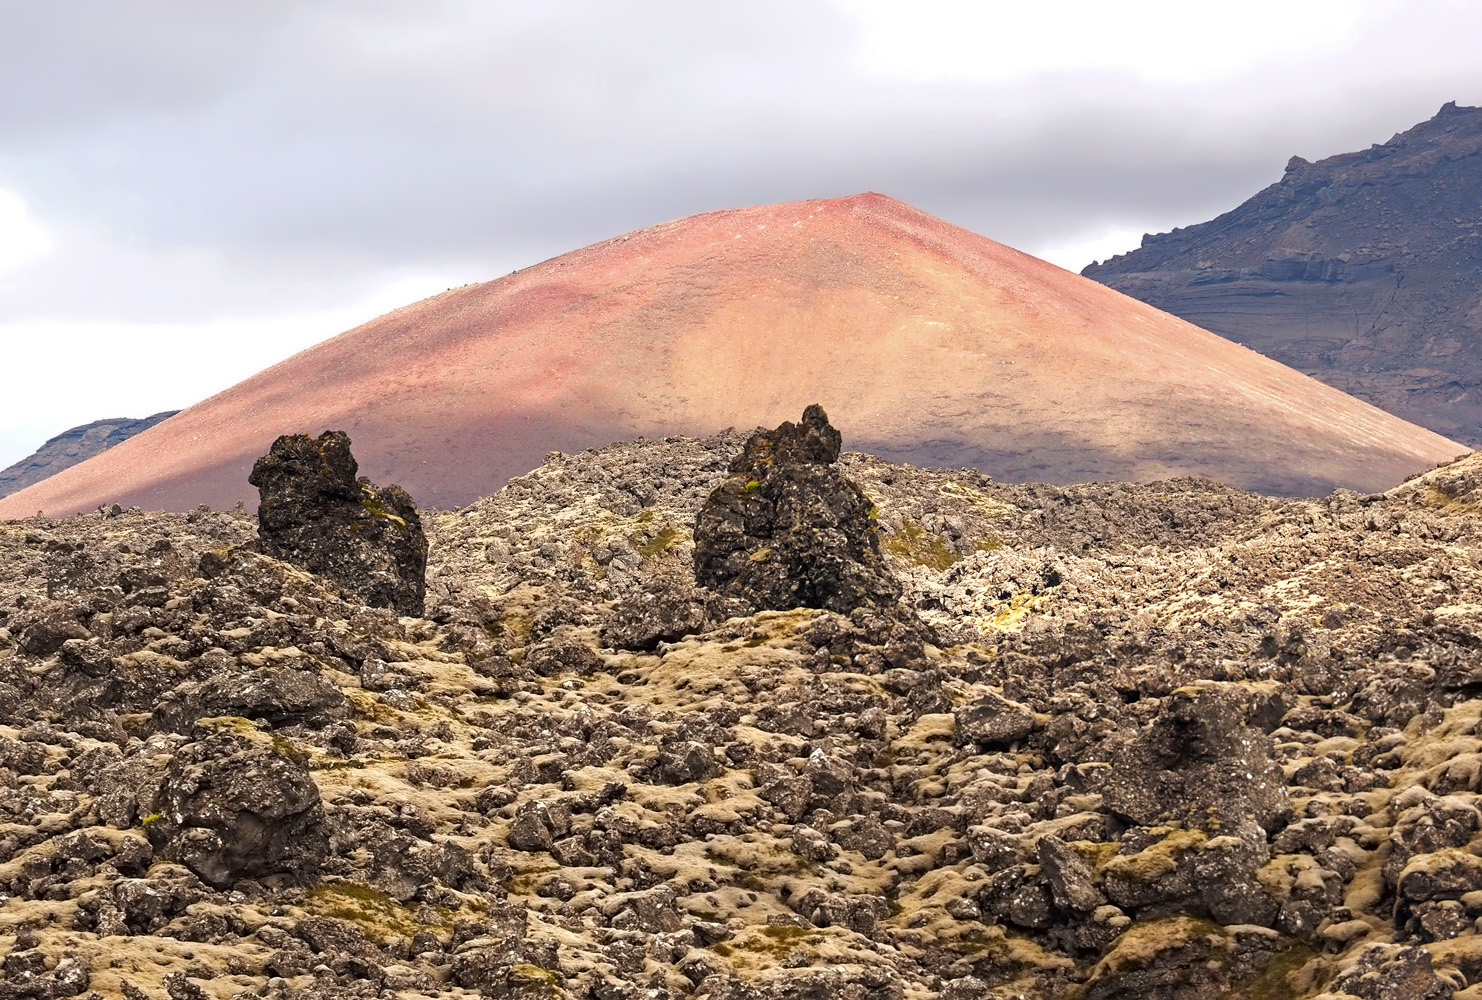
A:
(941, 346)
(1363, 270)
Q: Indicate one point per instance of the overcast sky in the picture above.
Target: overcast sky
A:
(192, 191)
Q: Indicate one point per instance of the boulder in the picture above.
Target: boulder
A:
(788, 530)
(1069, 877)
(1388, 972)
(992, 721)
(1181, 958)
(235, 804)
(316, 514)
(644, 619)
(50, 634)
(276, 695)
(1186, 873)
(1198, 766)
(1446, 874)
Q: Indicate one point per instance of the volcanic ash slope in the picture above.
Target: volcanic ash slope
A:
(953, 350)
(1177, 741)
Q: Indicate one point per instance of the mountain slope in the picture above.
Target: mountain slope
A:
(71, 447)
(953, 349)
(1363, 270)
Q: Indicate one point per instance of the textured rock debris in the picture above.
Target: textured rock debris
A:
(1167, 740)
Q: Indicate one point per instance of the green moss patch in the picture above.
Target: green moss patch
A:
(376, 913)
(913, 544)
(376, 510)
(658, 543)
(1282, 979)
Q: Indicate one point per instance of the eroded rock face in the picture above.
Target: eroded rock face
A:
(788, 530)
(316, 514)
(234, 806)
(1360, 270)
(73, 446)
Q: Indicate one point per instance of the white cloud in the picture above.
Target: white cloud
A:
(1076, 252)
(22, 238)
(75, 372)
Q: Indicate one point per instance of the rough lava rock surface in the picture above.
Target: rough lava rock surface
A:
(1168, 741)
(232, 806)
(787, 530)
(314, 513)
(1197, 765)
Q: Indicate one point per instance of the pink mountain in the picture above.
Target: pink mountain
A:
(926, 343)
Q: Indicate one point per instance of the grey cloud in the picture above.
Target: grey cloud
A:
(298, 144)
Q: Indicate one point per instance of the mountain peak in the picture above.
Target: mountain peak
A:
(941, 346)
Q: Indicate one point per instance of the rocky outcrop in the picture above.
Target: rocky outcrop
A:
(788, 530)
(1197, 766)
(1363, 270)
(314, 513)
(71, 447)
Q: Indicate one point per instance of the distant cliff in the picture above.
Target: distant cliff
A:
(71, 447)
(1363, 270)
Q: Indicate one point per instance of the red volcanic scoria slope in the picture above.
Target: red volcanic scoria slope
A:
(926, 343)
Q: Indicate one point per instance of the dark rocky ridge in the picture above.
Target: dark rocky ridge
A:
(581, 776)
(73, 446)
(1363, 270)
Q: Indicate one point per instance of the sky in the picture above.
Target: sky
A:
(191, 192)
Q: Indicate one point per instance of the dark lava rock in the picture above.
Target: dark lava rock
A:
(1197, 765)
(50, 634)
(1180, 959)
(1069, 877)
(992, 721)
(235, 805)
(314, 513)
(561, 655)
(683, 762)
(788, 530)
(26, 977)
(274, 694)
(1448, 874)
(1390, 972)
(643, 620)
